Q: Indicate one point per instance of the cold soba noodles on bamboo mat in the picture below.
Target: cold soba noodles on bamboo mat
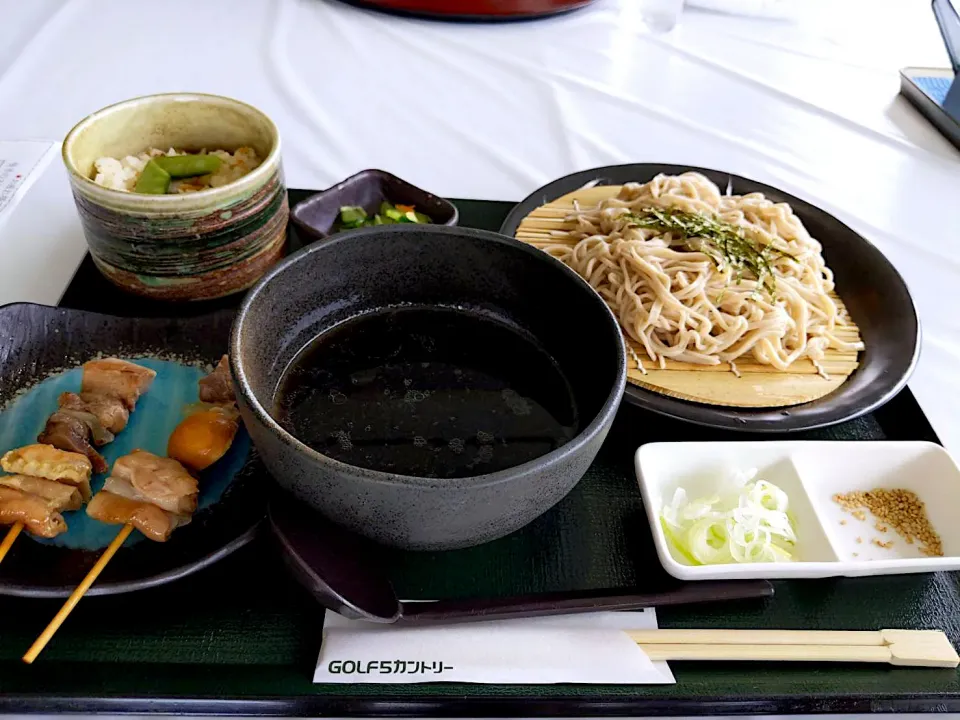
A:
(705, 281)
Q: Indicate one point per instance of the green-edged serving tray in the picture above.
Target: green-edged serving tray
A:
(241, 638)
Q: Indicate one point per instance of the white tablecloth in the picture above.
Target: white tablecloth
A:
(493, 111)
(809, 105)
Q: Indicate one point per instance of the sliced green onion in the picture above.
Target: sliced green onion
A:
(748, 521)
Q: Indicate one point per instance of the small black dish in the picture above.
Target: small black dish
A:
(316, 216)
(873, 291)
(37, 341)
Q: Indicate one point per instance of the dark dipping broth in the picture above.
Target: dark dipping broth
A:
(430, 392)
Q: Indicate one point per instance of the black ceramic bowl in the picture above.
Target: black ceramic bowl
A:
(365, 270)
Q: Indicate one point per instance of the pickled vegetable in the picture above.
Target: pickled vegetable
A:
(354, 216)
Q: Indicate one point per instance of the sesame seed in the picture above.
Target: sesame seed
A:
(899, 509)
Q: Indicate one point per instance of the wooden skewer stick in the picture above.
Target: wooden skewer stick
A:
(41, 642)
(920, 648)
(11, 535)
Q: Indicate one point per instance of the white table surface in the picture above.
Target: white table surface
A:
(809, 105)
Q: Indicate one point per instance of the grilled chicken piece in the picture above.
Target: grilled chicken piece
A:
(67, 433)
(117, 378)
(153, 522)
(50, 463)
(145, 477)
(204, 437)
(36, 515)
(217, 387)
(57, 496)
(98, 433)
(110, 411)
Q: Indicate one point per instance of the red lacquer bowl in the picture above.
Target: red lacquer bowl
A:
(476, 9)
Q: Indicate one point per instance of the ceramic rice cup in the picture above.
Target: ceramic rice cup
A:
(193, 246)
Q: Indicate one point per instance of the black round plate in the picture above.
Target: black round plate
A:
(36, 340)
(873, 291)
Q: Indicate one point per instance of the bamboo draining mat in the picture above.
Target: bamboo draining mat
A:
(759, 386)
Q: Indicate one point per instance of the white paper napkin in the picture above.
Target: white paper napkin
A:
(21, 162)
(589, 648)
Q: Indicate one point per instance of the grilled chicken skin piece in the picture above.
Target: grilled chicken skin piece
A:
(50, 463)
(57, 496)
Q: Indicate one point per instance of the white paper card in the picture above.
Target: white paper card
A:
(21, 162)
(589, 648)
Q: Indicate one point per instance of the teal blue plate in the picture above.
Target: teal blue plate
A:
(41, 349)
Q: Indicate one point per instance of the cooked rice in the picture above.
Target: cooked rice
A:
(123, 174)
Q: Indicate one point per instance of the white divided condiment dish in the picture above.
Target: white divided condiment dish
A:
(811, 473)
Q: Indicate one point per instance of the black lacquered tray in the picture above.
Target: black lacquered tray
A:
(241, 638)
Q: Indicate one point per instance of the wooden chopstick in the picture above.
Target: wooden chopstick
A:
(793, 653)
(921, 648)
(760, 637)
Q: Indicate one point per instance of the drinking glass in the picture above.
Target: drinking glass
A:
(661, 16)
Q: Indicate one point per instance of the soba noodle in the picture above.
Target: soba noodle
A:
(682, 299)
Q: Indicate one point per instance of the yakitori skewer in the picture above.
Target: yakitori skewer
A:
(157, 494)
(84, 421)
(153, 494)
(45, 482)
(205, 435)
(8, 539)
(108, 394)
(41, 642)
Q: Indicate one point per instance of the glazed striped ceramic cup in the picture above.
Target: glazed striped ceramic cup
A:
(192, 246)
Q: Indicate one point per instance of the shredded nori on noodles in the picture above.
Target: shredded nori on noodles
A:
(724, 242)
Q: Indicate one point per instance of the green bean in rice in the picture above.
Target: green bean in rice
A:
(123, 173)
